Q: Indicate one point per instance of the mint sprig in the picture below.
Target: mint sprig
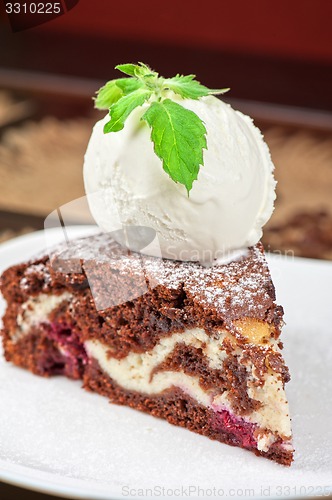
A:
(178, 134)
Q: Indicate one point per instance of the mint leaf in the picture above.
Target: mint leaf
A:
(178, 135)
(136, 70)
(128, 85)
(189, 88)
(128, 69)
(114, 90)
(108, 95)
(120, 111)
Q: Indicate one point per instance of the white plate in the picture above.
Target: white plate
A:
(60, 439)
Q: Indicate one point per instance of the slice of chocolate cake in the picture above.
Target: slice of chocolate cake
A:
(197, 346)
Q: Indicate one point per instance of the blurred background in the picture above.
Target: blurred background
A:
(275, 56)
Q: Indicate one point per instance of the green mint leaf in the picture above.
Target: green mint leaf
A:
(120, 111)
(136, 70)
(178, 135)
(128, 85)
(127, 69)
(114, 90)
(108, 95)
(189, 88)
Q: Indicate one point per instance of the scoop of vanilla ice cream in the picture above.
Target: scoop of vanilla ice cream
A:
(229, 203)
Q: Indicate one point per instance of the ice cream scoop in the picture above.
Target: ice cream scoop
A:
(231, 200)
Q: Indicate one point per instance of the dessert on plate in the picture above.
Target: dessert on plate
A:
(170, 309)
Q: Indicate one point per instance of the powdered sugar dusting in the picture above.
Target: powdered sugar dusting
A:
(241, 287)
(33, 271)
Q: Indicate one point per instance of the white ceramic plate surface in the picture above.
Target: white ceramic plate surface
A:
(57, 438)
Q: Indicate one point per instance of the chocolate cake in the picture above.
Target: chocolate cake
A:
(198, 346)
